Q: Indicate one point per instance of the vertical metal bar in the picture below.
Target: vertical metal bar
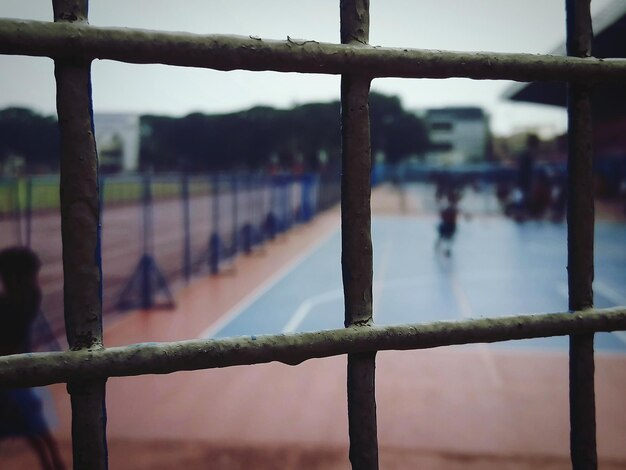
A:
(80, 225)
(356, 254)
(580, 231)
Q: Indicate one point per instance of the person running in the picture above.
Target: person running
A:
(525, 173)
(21, 413)
(448, 214)
(447, 228)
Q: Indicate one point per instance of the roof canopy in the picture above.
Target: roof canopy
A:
(609, 42)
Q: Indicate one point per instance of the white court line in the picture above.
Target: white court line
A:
(562, 289)
(379, 281)
(305, 308)
(608, 292)
(598, 287)
(613, 296)
(605, 291)
(466, 311)
(309, 304)
(240, 307)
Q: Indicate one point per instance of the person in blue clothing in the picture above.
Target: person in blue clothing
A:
(21, 412)
(525, 173)
(447, 227)
(448, 198)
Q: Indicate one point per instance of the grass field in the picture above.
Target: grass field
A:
(42, 192)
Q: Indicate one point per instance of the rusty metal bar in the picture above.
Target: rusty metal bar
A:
(221, 52)
(163, 358)
(80, 229)
(580, 232)
(356, 239)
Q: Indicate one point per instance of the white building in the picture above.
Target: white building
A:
(457, 135)
(117, 140)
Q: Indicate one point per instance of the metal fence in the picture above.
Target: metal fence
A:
(156, 230)
(72, 43)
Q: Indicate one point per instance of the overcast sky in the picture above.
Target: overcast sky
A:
(532, 26)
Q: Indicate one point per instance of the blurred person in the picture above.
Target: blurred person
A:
(448, 213)
(526, 168)
(503, 193)
(21, 411)
(446, 228)
(541, 195)
(558, 197)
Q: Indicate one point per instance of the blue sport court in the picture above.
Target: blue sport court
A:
(497, 267)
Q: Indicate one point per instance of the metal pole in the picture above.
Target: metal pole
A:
(235, 211)
(186, 227)
(29, 210)
(80, 226)
(272, 215)
(580, 232)
(214, 239)
(146, 257)
(17, 211)
(356, 254)
(248, 222)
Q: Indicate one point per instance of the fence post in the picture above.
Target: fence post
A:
(147, 271)
(289, 179)
(307, 191)
(17, 211)
(186, 226)
(262, 208)
(235, 215)
(28, 208)
(272, 218)
(247, 225)
(214, 239)
(148, 243)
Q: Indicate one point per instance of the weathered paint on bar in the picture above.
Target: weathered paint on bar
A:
(80, 229)
(222, 52)
(163, 358)
(356, 239)
(580, 234)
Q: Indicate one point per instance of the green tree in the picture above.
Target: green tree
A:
(252, 138)
(31, 136)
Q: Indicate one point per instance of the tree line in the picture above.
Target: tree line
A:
(307, 136)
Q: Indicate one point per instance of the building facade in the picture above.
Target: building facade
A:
(457, 135)
(117, 140)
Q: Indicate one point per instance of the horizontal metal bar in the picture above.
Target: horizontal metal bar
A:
(36, 369)
(220, 52)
